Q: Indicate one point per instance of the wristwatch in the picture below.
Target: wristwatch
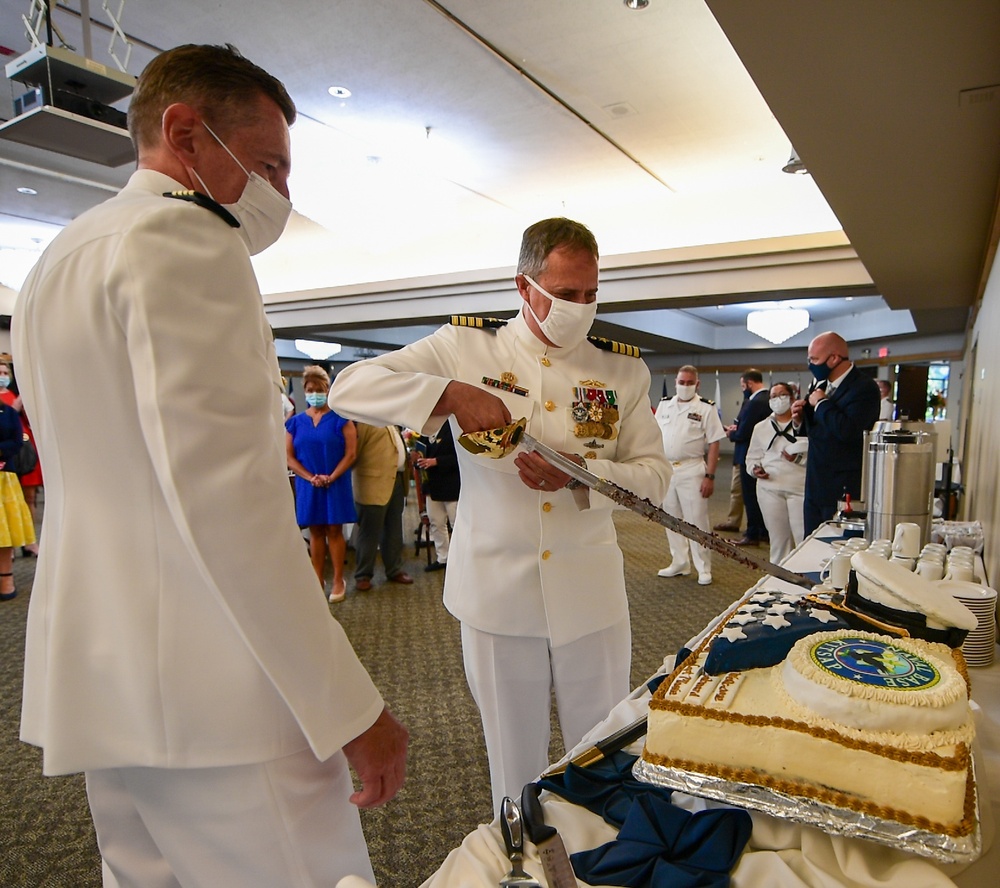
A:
(710, 476)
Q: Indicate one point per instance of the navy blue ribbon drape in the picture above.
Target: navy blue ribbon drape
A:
(659, 845)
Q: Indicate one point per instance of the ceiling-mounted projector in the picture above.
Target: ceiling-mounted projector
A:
(67, 108)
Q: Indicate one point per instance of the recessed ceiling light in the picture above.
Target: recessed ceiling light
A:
(637, 4)
(25, 190)
(339, 92)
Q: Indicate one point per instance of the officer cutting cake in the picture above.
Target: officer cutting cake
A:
(535, 574)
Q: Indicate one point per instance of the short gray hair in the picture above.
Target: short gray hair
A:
(543, 237)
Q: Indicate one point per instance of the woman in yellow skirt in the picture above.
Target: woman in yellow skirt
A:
(16, 527)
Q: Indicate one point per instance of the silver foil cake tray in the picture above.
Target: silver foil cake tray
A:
(830, 819)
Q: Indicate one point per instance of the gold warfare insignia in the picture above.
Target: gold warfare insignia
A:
(595, 411)
(508, 378)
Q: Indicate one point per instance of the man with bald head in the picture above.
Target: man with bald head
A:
(841, 405)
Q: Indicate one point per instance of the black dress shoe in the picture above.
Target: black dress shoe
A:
(437, 565)
(746, 541)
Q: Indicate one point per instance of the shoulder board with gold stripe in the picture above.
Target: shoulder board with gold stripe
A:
(203, 200)
(709, 401)
(618, 348)
(481, 323)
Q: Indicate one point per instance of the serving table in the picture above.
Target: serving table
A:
(780, 853)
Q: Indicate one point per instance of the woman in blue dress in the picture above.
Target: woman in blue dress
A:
(321, 446)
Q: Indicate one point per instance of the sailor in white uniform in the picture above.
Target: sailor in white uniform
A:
(535, 574)
(689, 424)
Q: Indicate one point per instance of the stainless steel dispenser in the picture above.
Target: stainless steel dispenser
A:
(898, 477)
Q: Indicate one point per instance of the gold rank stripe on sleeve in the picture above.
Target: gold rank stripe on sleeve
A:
(618, 348)
(203, 200)
(478, 323)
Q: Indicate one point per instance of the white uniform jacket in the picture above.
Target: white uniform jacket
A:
(688, 427)
(766, 450)
(526, 562)
(175, 620)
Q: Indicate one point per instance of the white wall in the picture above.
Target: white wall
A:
(981, 407)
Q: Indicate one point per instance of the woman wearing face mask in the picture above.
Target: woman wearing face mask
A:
(778, 461)
(33, 479)
(321, 447)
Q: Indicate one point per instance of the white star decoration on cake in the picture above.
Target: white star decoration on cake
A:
(782, 607)
(824, 616)
(776, 621)
(732, 633)
(743, 618)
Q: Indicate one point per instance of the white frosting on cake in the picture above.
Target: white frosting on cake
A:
(873, 754)
(895, 586)
(942, 707)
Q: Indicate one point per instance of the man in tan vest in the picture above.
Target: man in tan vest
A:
(379, 478)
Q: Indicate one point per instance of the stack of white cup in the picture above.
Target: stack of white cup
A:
(930, 562)
(881, 547)
(906, 544)
(961, 565)
(837, 570)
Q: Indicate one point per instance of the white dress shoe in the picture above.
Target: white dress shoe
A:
(704, 579)
(674, 570)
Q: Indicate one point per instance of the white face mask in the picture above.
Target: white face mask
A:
(685, 392)
(567, 323)
(780, 405)
(261, 210)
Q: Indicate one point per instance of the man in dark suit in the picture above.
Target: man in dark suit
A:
(840, 407)
(754, 409)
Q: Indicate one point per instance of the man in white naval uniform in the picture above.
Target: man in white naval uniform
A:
(689, 424)
(535, 574)
(177, 651)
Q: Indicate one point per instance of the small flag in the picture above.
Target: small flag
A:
(718, 395)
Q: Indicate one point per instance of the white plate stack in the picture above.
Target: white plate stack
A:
(979, 648)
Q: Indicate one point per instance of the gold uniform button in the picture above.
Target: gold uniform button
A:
(546, 507)
(546, 555)
(546, 362)
(590, 454)
(550, 405)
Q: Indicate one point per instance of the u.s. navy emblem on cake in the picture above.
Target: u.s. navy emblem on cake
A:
(874, 662)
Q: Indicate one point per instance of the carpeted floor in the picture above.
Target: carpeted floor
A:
(411, 646)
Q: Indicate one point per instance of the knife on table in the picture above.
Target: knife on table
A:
(551, 851)
(511, 825)
(603, 748)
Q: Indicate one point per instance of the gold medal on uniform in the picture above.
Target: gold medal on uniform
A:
(594, 410)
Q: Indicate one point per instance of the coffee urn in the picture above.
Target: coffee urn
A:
(898, 477)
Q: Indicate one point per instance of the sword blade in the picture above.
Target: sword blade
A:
(634, 503)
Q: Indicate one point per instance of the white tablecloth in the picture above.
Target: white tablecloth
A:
(780, 854)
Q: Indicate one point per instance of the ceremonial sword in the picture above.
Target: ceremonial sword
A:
(644, 507)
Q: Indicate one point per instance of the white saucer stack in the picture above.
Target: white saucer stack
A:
(979, 648)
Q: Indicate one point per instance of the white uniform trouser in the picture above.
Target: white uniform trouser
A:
(284, 822)
(439, 514)
(512, 677)
(684, 500)
(783, 519)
